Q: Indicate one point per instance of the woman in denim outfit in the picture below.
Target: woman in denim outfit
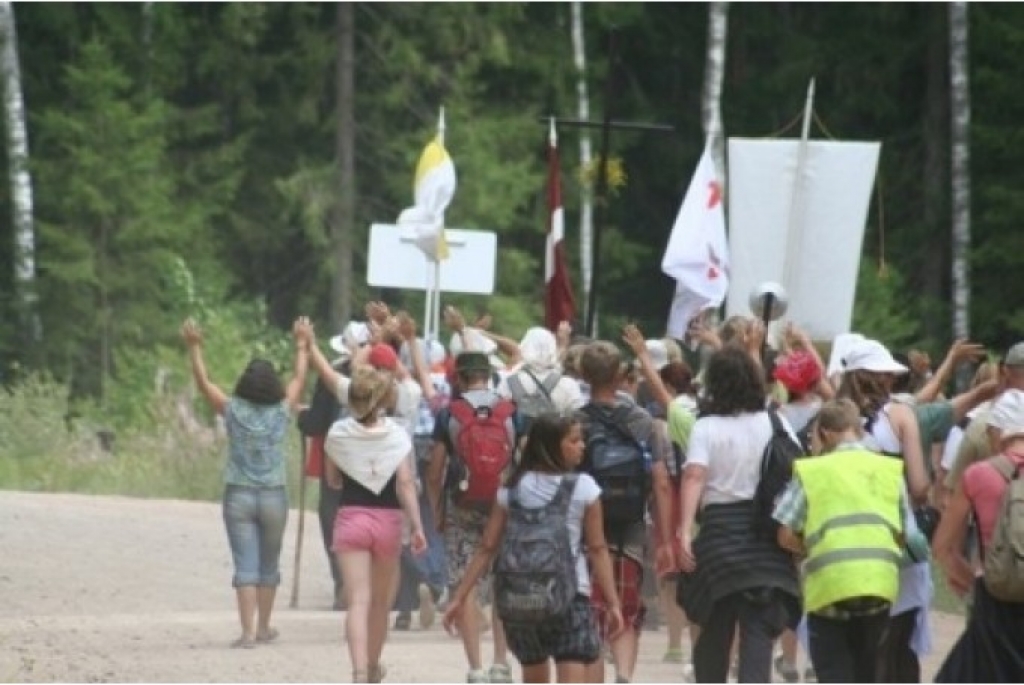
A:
(255, 503)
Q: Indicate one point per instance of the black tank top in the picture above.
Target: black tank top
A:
(353, 494)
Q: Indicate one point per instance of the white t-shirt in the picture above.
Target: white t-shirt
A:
(537, 489)
(730, 448)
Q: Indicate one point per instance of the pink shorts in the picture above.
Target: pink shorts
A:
(368, 529)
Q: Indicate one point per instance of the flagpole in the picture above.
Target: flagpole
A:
(435, 315)
(795, 224)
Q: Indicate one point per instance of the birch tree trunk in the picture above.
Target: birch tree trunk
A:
(960, 108)
(17, 156)
(344, 209)
(936, 249)
(587, 199)
(714, 74)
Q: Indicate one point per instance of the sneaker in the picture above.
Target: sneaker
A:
(809, 675)
(478, 676)
(403, 621)
(426, 606)
(688, 675)
(788, 672)
(673, 656)
(500, 673)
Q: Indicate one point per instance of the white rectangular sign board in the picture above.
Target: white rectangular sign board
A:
(824, 245)
(395, 261)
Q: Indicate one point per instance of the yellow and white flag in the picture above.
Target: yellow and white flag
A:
(433, 188)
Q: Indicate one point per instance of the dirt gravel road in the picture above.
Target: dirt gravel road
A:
(110, 589)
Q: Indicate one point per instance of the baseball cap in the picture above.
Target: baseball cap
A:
(382, 356)
(1015, 355)
(798, 371)
(658, 353)
(472, 361)
(871, 355)
(355, 334)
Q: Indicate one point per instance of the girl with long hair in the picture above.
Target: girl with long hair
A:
(553, 450)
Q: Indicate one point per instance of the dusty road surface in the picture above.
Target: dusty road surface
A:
(107, 589)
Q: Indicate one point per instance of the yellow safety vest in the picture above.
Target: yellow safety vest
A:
(853, 522)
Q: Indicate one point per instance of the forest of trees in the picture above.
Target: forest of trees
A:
(212, 159)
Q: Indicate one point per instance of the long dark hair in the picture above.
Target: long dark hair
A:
(733, 384)
(866, 389)
(260, 384)
(543, 449)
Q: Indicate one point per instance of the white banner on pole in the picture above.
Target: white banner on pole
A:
(829, 217)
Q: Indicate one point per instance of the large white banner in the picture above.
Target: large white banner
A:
(808, 236)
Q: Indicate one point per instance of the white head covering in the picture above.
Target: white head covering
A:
(368, 455)
(354, 334)
(539, 350)
(871, 355)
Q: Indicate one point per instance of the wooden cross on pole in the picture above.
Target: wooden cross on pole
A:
(601, 188)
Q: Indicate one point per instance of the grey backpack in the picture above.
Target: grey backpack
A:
(533, 404)
(1004, 556)
(535, 569)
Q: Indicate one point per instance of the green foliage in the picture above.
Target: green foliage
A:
(879, 311)
(184, 160)
(43, 450)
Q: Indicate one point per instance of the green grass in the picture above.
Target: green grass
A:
(40, 453)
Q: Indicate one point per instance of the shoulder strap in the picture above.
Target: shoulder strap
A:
(1002, 464)
(516, 386)
(563, 496)
(543, 387)
(596, 414)
(777, 427)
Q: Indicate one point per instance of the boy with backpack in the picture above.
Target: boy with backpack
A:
(473, 448)
(627, 453)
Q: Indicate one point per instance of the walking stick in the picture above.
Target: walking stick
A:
(294, 603)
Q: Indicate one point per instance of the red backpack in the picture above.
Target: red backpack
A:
(483, 449)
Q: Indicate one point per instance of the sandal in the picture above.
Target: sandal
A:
(243, 643)
(375, 674)
(359, 675)
(268, 636)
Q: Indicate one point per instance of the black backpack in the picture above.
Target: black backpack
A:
(776, 472)
(619, 463)
(535, 569)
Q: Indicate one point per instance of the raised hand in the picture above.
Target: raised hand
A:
(191, 333)
(633, 337)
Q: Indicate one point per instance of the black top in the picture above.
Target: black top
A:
(353, 494)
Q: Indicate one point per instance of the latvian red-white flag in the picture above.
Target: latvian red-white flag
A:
(697, 253)
(559, 304)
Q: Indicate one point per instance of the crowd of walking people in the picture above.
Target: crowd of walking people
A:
(557, 492)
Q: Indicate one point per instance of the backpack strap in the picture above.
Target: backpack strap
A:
(1004, 467)
(546, 387)
(516, 387)
(563, 497)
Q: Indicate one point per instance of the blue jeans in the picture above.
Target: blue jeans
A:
(431, 567)
(255, 518)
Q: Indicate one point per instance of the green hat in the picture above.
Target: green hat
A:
(468, 362)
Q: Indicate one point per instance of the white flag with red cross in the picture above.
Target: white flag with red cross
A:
(697, 255)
